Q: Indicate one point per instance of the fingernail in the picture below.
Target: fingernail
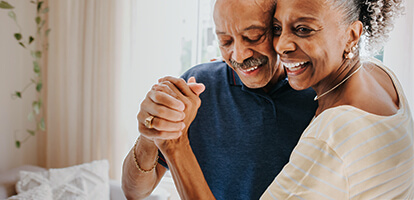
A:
(183, 126)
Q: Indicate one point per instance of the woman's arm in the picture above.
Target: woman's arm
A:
(186, 172)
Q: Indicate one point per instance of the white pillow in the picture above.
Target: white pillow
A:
(43, 192)
(87, 181)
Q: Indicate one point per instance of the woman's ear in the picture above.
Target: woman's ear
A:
(354, 34)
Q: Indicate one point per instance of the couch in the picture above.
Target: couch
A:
(9, 178)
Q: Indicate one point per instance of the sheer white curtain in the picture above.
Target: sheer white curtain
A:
(104, 56)
(399, 51)
(82, 81)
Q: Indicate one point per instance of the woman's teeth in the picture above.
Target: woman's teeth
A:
(293, 66)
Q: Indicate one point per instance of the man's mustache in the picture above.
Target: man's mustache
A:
(248, 63)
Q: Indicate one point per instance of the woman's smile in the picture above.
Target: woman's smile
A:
(295, 68)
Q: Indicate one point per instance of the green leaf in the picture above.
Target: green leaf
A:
(46, 10)
(5, 5)
(21, 44)
(18, 94)
(39, 5)
(47, 32)
(36, 107)
(31, 39)
(39, 87)
(43, 23)
(42, 125)
(18, 143)
(12, 15)
(36, 67)
(31, 132)
(38, 20)
(38, 54)
(18, 36)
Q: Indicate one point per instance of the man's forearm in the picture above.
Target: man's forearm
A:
(135, 183)
(187, 174)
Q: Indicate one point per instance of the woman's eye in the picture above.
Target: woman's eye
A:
(277, 30)
(303, 31)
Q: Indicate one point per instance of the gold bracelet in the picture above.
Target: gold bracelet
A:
(136, 163)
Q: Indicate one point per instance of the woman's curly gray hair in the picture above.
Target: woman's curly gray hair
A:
(377, 17)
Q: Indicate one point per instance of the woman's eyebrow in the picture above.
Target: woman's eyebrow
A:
(306, 18)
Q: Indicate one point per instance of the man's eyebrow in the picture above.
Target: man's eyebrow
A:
(220, 33)
(255, 27)
(252, 27)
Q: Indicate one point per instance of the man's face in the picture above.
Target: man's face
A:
(243, 28)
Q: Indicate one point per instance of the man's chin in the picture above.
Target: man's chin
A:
(255, 84)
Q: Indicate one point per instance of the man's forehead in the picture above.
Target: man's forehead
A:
(264, 5)
(243, 14)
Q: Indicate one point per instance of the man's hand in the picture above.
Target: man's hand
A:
(174, 104)
(188, 94)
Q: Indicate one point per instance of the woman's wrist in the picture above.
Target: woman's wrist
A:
(145, 153)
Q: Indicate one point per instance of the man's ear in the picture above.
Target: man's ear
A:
(354, 34)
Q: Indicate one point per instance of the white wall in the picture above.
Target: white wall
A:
(399, 51)
(16, 71)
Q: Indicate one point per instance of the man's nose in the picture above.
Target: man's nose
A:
(241, 52)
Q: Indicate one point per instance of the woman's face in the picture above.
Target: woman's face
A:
(310, 38)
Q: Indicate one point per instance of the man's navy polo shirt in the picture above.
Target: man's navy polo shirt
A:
(243, 137)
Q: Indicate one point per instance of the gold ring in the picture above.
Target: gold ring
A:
(148, 122)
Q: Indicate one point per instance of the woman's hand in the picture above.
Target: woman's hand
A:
(188, 94)
(173, 103)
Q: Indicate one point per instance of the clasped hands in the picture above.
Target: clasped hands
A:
(173, 103)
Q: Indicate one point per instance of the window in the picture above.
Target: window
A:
(198, 42)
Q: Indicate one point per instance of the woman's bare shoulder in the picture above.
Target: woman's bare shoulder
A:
(373, 91)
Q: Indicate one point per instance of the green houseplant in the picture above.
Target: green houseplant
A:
(35, 45)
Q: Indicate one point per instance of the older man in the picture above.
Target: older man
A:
(248, 122)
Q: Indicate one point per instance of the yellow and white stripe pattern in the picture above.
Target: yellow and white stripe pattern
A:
(347, 153)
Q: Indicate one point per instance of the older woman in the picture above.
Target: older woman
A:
(360, 143)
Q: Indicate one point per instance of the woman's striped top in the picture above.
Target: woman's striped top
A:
(347, 153)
